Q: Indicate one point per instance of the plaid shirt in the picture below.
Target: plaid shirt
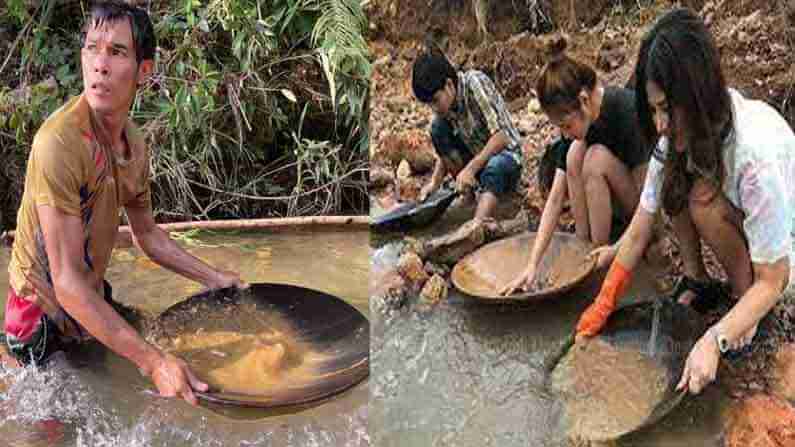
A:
(479, 112)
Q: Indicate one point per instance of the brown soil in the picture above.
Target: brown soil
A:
(762, 421)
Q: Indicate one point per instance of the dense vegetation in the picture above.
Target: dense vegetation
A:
(257, 107)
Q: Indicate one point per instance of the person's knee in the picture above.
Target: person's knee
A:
(500, 174)
(596, 162)
(575, 159)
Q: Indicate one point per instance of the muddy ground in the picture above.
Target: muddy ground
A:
(756, 40)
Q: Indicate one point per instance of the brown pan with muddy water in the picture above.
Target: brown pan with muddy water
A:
(268, 346)
(483, 273)
(102, 400)
(625, 378)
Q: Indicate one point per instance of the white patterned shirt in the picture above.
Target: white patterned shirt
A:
(760, 179)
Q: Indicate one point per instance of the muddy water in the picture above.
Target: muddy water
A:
(463, 375)
(104, 401)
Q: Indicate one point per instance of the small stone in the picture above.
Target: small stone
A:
(533, 106)
(435, 290)
(404, 170)
(411, 268)
(436, 269)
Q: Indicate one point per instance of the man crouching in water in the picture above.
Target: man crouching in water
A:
(88, 160)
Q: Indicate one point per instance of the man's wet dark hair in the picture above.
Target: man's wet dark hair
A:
(680, 56)
(430, 73)
(143, 33)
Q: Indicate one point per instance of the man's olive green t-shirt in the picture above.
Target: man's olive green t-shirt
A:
(68, 170)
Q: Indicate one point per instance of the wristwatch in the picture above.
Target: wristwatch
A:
(720, 339)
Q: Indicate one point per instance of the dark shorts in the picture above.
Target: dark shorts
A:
(30, 334)
(501, 173)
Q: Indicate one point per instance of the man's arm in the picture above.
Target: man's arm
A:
(494, 145)
(164, 251)
(75, 290)
(439, 171)
(498, 121)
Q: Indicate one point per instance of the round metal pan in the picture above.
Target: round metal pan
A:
(482, 273)
(663, 332)
(415, 215)
(329, 326)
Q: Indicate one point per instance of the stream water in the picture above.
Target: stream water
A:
(102, 400)
(463, 374)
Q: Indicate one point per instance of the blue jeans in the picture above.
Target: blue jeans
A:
(499, 176)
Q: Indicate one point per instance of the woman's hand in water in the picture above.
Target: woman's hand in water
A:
(227, 278)
(524, 281)
(173, 378)
(701, 367)
(604, 255)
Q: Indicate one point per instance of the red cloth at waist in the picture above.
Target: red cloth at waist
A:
(22, 316)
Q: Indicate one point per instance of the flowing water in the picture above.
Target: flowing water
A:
(99, 399)
(462, 374)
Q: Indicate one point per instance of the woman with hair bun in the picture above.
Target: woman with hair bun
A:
(724, 171)
(599, 163)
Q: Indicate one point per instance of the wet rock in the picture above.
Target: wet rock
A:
(403, 170)
(437, 269)
(409, 189)
(380, 177)
(388, 291)
(434, 291)
(783, 373)
(760, 421)
(411, 268)
(449, 248)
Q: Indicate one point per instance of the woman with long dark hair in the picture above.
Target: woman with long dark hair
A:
(723, 170)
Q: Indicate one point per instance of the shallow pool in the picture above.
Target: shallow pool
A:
(104, 401)
(463, 374)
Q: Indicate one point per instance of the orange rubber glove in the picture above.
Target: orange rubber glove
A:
(595, 316)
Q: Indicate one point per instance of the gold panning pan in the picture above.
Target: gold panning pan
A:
(625, 378)
(271, 345)
(483, 273)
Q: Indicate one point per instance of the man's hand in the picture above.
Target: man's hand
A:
(172, 377)
(227, 278)
(465, 180)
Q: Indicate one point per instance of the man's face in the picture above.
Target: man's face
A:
(110, 70)
(443, 99)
